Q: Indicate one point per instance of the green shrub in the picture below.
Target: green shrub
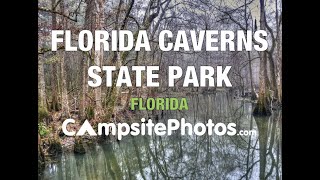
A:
(43, 130)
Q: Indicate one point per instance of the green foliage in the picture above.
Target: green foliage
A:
(43, 129)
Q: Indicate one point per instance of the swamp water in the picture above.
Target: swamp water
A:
(183, 156)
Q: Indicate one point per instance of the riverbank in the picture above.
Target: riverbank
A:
(52, 141)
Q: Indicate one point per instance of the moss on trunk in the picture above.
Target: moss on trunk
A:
(111, 103)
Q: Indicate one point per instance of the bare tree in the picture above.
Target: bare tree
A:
(54, 78)
(64, 92)
(262, 107)
(41, 84)
(94, 21)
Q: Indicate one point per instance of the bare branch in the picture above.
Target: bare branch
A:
(134, 19)
(127, 15)
(55, 12)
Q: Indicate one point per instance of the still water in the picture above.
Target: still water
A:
(183, 156)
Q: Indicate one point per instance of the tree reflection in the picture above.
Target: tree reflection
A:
(186, 157)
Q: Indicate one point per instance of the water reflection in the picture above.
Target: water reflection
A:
(185, 157)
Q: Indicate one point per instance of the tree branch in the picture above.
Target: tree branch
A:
(55, 12)
(55, 6)
(134, 19)
(127, 15)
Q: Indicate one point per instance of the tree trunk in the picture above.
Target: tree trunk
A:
(112, 96)
(279, 71)
(84, 87)
(94, 20)
(54, 79)
(88, 24)
(278, 55)
(262, 107)
(273, 82)
(64, 91)
(113, 91)
(253, 92)
(98, 57)
(41, 84)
